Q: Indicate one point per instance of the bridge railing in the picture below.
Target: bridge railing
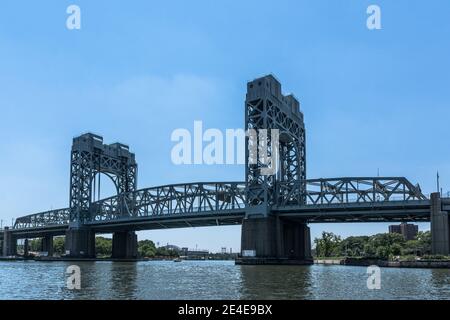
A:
(192, 198)
(347, 190)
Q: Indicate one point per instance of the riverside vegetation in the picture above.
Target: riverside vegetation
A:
(383, 246)
(103, 248)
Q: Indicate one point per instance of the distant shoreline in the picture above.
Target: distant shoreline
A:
(50, 259)
(421, 264)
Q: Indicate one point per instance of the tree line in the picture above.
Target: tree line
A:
(103, 247)
(380, 246)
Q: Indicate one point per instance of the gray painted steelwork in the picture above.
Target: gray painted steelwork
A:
(267, 108)
(89, 158)
(274, 209)
(336, 199)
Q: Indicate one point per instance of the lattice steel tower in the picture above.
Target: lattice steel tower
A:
(90, 157)
(267, 108)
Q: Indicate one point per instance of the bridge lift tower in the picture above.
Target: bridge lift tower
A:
(265, 237)
(89, 158)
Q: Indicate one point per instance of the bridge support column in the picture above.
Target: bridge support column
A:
(271, 240)
(124, 245)
(80, 243)
(296, 241)
(25, 248)
(440, 236)
(47, 245)
(9, 243)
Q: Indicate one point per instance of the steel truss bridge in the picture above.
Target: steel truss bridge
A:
(274, 209)
(370, 199)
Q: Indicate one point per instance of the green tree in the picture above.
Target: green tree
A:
(353, 246)
(387, 244)
(35, 244)
(396, 249)
(103, 246)
(383, 252)
(58, 245)
(146, 248)
(327, 245)
(387, 239)
(424, 238)
(369, 250)
(412, 247)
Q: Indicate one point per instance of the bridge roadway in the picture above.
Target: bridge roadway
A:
(334, 200)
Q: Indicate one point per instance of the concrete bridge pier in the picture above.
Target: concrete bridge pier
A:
(80, 242)
(271, 240)
(440, 236)
(124, 245)
(296, 241)
(25, 248)
(9, 243)
(47, 245)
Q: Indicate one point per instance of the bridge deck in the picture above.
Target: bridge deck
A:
(418, 211)
(224, 203)
(413, 210)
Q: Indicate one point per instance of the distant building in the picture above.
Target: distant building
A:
(171, 247)
(407, 230)
(194, 253)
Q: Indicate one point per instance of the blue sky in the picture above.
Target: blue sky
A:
(138, 70)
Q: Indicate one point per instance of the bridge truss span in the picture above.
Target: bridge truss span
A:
(213, 199)
(180, 199)
(58, 217)
(191, 200)
(348, 190)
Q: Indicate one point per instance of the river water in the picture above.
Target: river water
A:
(215, 280)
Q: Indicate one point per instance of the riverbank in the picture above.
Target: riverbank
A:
(420, 264)
(11, 258)
(47, 259)
(424, 264)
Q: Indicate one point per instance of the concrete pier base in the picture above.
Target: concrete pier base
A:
(26, 248)
(47, 245)
(9, 243)
(440, 236)
(270, 240)
(80, 243)
(124, 245)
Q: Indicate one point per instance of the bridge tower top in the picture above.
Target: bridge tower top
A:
(91, 142)
(269, 87)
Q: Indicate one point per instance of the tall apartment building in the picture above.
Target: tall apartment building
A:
(407, 230)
